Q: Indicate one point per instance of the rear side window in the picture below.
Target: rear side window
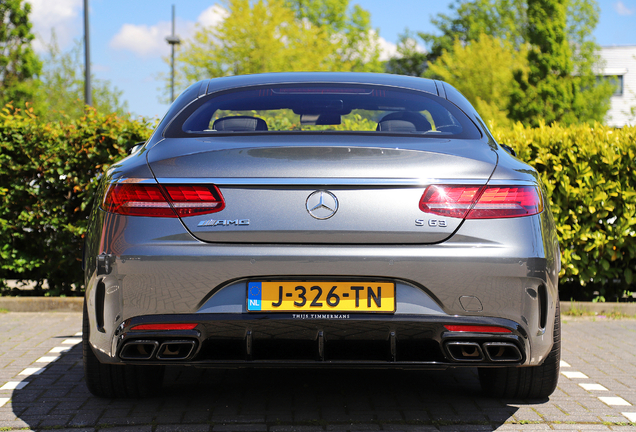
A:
(323, 108)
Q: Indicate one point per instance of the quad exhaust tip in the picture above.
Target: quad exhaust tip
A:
(139, 350)
(465, 351)
(488, 351)
(502, 352)
(151, 349)
(175, 350)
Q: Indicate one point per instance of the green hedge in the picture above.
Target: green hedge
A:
(590, 175)
(48, 173)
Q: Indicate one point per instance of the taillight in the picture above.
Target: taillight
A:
(134, 199)
(481, 202)
(451, 201)
(195, 200)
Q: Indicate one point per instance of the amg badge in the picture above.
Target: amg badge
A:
(224, 222)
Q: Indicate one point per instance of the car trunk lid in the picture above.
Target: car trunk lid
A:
(358, 191)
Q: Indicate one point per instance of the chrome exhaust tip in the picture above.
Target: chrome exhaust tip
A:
(502, 352)
(465, 351)
(138, 350)
(176, 350)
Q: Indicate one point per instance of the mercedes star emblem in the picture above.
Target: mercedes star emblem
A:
(322, 204)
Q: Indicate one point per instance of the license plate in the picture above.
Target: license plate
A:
(321, 296)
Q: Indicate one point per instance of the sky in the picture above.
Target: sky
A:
(127, 37)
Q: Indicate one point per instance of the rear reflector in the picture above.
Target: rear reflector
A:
(477, 329)
(133, 199)
(481, 202)
(188, 326)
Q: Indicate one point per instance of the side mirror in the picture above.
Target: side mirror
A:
(136, 147)
(509, 149)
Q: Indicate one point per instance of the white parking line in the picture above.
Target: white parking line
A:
(614, 401)
(3, 401)
(574, 375)
(47, 359)
(14, 385)
(78, 334)
(593, 387)
(32, 371)
(18, 385)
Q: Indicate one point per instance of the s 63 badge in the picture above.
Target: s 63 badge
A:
(441, 223)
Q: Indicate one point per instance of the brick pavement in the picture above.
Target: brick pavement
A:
(309, 400)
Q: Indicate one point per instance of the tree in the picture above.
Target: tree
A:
(510, 21)
(591, 96)
(350, 29)
(502, 19)
(546, 91)
(469, 68)
(278, 36)
(410, 59)
(61, 93)
(253, 38)
(19, 65)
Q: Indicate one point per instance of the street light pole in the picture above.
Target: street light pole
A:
(173, 40)
(88, 96)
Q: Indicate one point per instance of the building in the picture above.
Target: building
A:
(620, 63)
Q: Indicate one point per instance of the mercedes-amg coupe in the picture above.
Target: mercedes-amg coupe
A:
(322, 220)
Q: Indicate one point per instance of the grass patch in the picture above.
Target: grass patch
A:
(4, 310)
(576, 311)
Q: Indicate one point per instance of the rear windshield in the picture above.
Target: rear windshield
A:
(324, 108)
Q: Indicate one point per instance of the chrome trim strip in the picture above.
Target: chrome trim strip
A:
(134, 180)
(315, 181)
(312, 181)
(505, 182)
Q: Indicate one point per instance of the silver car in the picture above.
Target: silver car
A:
(342, 220)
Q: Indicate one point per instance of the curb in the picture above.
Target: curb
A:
(42, 304)
(74, 304)
(599, 308)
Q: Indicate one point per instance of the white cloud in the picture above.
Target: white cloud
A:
(621, 9)
(212, 16)
(387, 49)
(55, 14)
(143, 40)
(150, 41)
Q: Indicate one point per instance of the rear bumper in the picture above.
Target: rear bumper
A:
(166, 275)
(268, 340)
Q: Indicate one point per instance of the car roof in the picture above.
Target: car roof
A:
(225, 83)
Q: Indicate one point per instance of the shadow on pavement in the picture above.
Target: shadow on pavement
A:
(267, 399)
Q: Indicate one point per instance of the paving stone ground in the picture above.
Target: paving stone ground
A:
(310, 400)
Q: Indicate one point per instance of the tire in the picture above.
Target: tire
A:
(533, 382)
(116, 381)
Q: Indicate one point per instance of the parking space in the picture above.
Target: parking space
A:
(42, 388)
